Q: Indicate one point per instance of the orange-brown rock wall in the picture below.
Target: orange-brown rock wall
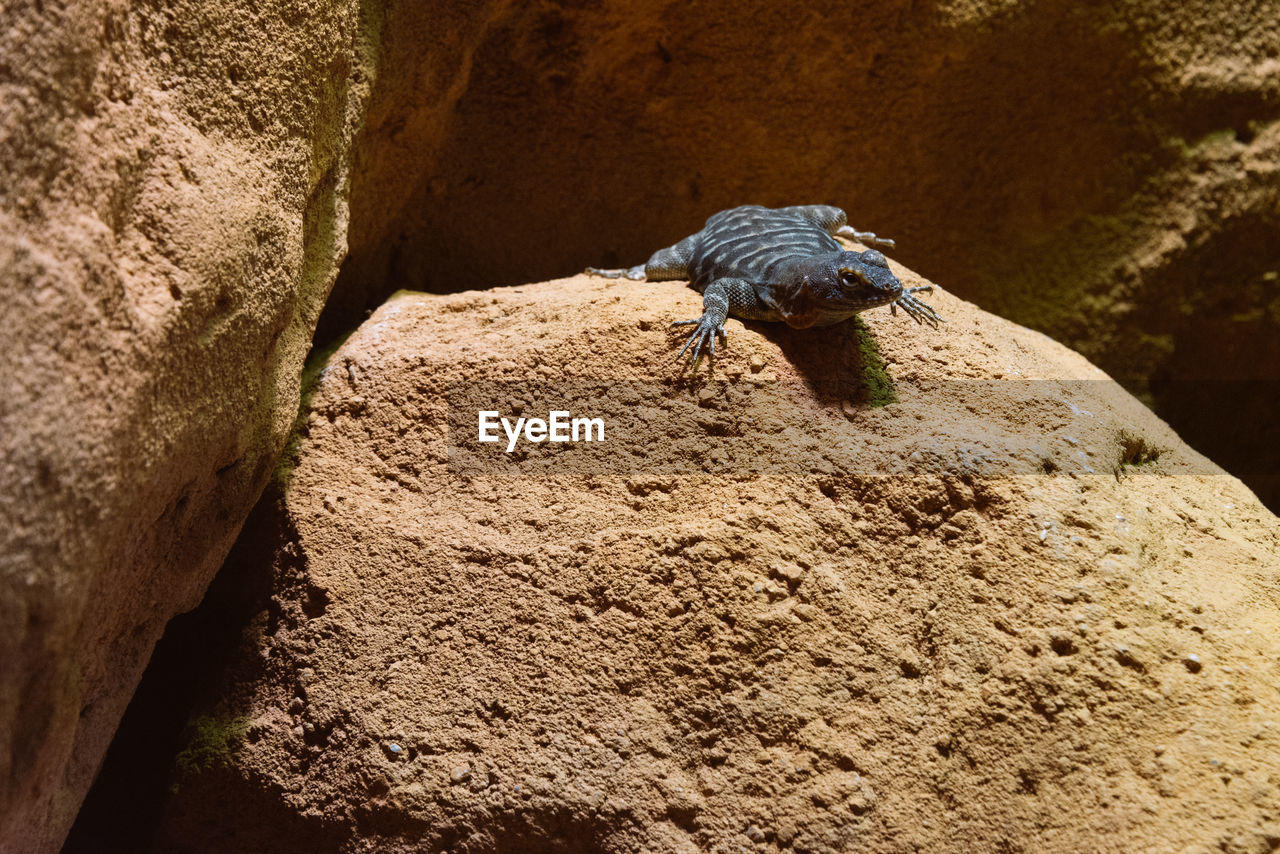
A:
(175, 207)
(1104, 172)
(171, 219)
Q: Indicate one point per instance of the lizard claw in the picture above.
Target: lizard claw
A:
(919, 311)
(705, 333)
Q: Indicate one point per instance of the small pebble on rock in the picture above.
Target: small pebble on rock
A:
(754, 833)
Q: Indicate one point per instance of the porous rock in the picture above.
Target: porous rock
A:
(884, 588)
(1108, 173)
(171, 218)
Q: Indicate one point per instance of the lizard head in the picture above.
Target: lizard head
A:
(835, 287)
(865, 280)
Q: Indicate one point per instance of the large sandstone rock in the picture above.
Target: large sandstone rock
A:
(1108, 173)
(173, 210)
(172, 214)
(1008, 610)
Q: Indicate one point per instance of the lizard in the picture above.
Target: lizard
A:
(778, 264)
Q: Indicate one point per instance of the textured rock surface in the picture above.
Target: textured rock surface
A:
(1108, 173)
(171, 217)
(725, 628)
(173, 208)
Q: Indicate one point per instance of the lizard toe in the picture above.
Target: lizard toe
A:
(920, 312)
(703, 335)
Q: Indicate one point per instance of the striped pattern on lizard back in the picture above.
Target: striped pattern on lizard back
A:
(778, 264)
(756, 244)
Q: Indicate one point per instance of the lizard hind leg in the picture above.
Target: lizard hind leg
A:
(866, 238)
(635, 273)
(671, 263)
(663, 265)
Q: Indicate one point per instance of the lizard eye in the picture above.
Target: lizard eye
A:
(850, 277)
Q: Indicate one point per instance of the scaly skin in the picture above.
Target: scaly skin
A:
(778, 264)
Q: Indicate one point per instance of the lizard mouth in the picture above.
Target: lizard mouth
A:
(871, 296)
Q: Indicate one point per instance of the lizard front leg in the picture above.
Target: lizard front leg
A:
(719, 296)
(919, 311)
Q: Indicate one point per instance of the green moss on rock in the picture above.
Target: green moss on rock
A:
(211, 744)
(877, 383)
(316, 362)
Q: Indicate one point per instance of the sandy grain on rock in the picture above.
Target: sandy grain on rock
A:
(172, 214)
(792, 654)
